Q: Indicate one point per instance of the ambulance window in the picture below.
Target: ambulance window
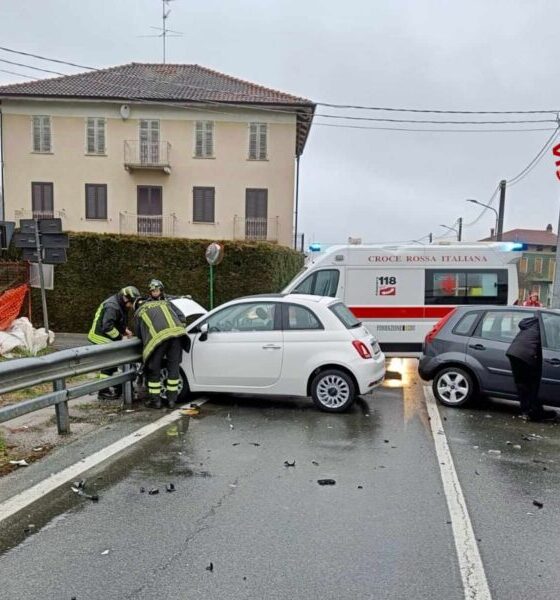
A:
(320, 283)
(466, 286)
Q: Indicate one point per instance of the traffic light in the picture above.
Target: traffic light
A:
(6, 233)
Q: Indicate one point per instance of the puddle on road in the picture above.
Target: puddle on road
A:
(161, 455)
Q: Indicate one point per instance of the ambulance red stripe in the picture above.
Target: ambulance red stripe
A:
(401, 312)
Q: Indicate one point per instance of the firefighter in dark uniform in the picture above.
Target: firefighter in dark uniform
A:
(109, 325)
(157, 291)
(163, 335)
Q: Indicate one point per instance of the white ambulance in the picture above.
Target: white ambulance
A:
(400, 292)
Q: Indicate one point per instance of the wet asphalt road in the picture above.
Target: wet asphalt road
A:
(270, 531)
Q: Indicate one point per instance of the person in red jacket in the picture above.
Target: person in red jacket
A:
(533, 300)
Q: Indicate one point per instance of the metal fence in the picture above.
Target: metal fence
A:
(147, 225)
(149, 155)
(38, 214)
(55, 368)
(256, 229)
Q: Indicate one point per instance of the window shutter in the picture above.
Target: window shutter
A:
(100, 136)
(253, 141)
(102, 202)
(209, 139)
(46, 135)
(90, 201)
(48, 204)
(143, 132)
(198, 139)
(36, 134)
(209, 205)
(198, 200)
(262, 141)
(90, 136)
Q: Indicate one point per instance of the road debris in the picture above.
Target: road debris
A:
(105, 552)
(153, 491)
(191, 410)
(37, 449)
(142, 490)
(20, 463)
(360, 487)
(326, 481)
(256, 444)
(496, 452)
(516, 447)
(210, 567)
(231, 426)
(170, 487)
(538, 504)
(314, 462)
(78, 487)
(287, 463)
(236, 443)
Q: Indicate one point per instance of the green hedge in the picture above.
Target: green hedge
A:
(101, 264)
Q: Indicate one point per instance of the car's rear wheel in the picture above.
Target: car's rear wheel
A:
(333, 390)
(454, 386)
(183, 391)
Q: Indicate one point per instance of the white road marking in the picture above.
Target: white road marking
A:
(22, 500)
(474, 579)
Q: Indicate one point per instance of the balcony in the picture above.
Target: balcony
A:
(151, 156)
(148, 225)
(256, 229)
(37, 214)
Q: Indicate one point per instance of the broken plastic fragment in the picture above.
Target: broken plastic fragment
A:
(153, 491)
(170, 487)
(256, 444)
(210, 567)
(20, 463)
(289, 464)
(142, 490)
(538, 504)
(314, 462)
(326, 481)
(494, 451)
(516, 447)
(105, 552)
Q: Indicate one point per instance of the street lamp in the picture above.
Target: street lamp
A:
(457, 231)
(473, 201)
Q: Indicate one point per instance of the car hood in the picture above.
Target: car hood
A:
(189, 307)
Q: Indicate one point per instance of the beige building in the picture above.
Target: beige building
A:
(151, 149)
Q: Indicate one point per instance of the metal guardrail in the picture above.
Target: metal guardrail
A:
(27, 372)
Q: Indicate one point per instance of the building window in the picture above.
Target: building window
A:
(96, 201)
(95, 135)
(538, 264)
(42, 134)
(523, 265)
(42, 200)
(465, 286)
(203, 204)
(258, 141)
(204, 139)
(551, 269)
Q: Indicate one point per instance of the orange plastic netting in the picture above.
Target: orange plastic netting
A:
(11, 302)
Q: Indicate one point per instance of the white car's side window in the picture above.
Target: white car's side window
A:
(254, 316)
(301, 318)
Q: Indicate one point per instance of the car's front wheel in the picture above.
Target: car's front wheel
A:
(454, 386)
(333, 390)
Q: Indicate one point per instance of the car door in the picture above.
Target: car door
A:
(550, 334)
(242, 351)
(487, 349)
(304, 338)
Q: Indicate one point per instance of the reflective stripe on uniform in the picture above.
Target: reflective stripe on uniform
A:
(97, 339)
(103, 376)
(113, 333)
(168, 317)
(172, 385)
(160, 337)
(92, 336)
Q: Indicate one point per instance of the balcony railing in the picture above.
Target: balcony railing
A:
(148, 225)
(39, 214)
(147, 155)
(256, 229)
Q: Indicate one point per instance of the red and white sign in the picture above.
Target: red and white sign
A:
(388, 290)
(556, 153)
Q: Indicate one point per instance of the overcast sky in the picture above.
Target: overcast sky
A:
(376, 184)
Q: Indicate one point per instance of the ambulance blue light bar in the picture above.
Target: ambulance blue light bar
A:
(315, 248)
(515, 246)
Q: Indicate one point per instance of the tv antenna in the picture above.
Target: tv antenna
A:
(164, 31)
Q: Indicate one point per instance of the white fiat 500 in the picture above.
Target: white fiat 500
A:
(284, 345)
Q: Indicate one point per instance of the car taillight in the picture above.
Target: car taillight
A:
(438, 327)
(362, 349)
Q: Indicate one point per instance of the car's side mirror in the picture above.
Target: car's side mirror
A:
(203, 332)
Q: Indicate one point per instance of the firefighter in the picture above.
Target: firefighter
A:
(162, 335)
(109, 325)
(157, 291)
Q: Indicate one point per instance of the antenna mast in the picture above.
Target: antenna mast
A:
(164, 32)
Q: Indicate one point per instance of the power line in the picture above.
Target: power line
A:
(18, 74)
(483, 211)
(17, 64)
(431, 130)
(533, 163)
(38, 56)
(438, 111)
(432, 122)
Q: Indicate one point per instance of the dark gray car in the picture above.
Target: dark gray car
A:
(465, 354)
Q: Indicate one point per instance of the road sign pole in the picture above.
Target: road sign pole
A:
(555, 301)
(41, 278)
(211, 286)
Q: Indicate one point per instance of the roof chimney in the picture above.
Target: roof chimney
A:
(549, 228)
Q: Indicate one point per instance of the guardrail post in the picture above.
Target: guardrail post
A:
(127, 387)
(62, 415)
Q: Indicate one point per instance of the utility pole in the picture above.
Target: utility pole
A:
(460, 230)
(501, 210)
(431, 238)
(555, 302)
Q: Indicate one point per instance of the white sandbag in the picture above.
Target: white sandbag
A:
(8, 343)
(21, 334)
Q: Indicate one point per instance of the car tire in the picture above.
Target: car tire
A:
(454, 387)
(333, 390)
(184, 391)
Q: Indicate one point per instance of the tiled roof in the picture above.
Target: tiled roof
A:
(163, 83)
(532, 237)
